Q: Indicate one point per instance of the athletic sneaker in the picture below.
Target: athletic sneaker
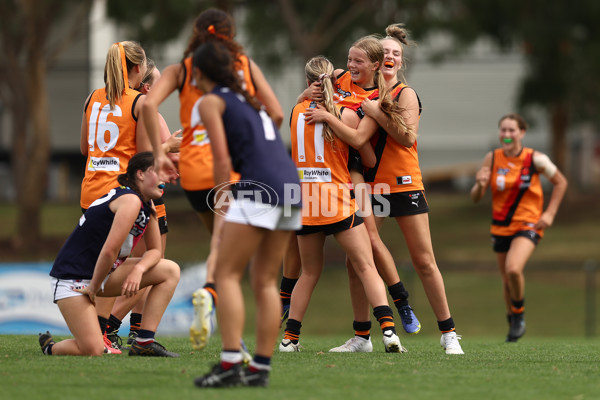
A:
(354, 345)
(287, 346)
(152, 349)
(115, 340)
(108, 346)
(221, 377)
(391, 341)
(517, 327)
(45, 340)
(409, 320)
(258, 377)
(246, 356)
(131, 338)
(449, 341)
(205, 322)
(285, 312)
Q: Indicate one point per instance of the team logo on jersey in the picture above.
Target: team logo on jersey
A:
(104, 164)
(500, 182)
(314, 174)
(525, 182)
(404, 180)
(200, 137)
(340, 94)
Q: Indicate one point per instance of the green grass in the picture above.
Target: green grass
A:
(534, 368)
(553, 361)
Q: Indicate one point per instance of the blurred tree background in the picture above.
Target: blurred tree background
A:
(559, 41)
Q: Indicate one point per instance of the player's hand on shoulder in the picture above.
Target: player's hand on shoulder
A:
(370, 107)
(317, 114)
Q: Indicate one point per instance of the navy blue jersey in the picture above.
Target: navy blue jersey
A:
(77, 258)
(257, 153)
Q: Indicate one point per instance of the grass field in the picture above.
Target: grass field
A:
(553, 361)
(534, 368)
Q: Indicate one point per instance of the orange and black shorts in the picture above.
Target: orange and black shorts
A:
(501, 244)
(332, 229)
(399, 204)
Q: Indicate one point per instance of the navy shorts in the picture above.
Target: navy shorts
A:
(399, 204)
(332, 229)
(501, 244)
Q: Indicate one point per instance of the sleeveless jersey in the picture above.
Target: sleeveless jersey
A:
(77, 258)
(111, 142)
(397, 166)
(323, 171)
(347, 93)
(517, 196)
(195, 162)
(257, 152)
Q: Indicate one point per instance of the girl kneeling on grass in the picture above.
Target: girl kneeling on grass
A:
(93, 262)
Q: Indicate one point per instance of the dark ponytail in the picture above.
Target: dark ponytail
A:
(213, 25)
(214, 60)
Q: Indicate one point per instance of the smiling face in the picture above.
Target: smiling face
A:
(362, 70)
(392, 59)
(510, 135)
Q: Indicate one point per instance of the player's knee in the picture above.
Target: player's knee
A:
(425, 266)
(172, 269)
(91, 348)
(512, 272)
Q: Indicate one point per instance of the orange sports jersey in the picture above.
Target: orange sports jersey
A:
(195, 161)
(323, 172)
(111, 142)
(159, 205)
(517, 196)
(347, 93)
(397, 167)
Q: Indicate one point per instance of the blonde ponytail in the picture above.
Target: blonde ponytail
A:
(120, 59)
(320, 69)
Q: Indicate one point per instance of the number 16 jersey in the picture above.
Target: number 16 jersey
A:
(111, 142)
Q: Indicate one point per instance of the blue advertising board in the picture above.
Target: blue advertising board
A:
(26, 305)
